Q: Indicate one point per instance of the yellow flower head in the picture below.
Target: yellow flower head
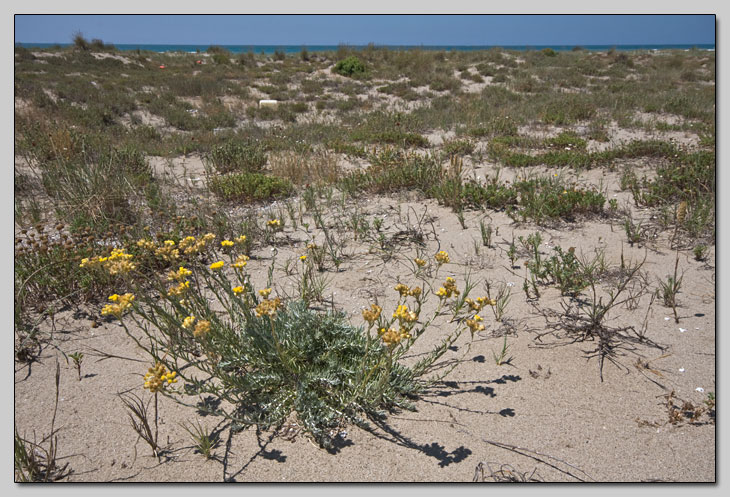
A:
(372, 314)
(227, 243)
(442, 257)
(241, 239)
(265, 292)
(121, 304)
(188, 322)
(167, 252)
(392, 337)
(146, 244)
(474, 305)
(179, 275)
(241, 261)
(169, 243)
(268, 307)
(202, 328)
(273, 224)
(415, 292)
(157, 378)
(179, 290)
(217, 265)
(238, 290)
(475, 324)
(404, 315)
(419, 262)
(402, 289)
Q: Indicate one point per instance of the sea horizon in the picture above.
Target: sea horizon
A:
(290, 49)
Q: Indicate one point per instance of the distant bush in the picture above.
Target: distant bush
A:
(238, 156)
(549, 52)
(220, 58)
(80, 42)
(250, 187)
(351, 66)
(97, 44)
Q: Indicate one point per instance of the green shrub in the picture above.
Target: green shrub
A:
(350, 66)
(458, 147)
(220, 58)
(234, 155)
(249, 187)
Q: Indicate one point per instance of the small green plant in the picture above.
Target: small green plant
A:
(203, 441)
(499, 304)
(460, 217)
(77, 358)
(486, 232)
(669, 289)
(501, 358)
(512, 252)
(700, 252)
(634, 232)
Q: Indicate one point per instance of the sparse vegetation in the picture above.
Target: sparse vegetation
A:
(308, 268)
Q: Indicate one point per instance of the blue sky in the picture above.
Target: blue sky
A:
(363, 29)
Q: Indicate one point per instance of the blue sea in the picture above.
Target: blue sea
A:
(291, 49)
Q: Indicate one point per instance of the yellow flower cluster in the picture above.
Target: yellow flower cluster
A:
(391, 336)
(371, 315)
(188, 322)
(237, 290)
(179, 275)
(265, 292)
(217, 265)
(479, 304)
(121, 304)
(146, 244)
(405, 291)
(402, 289)
(157, 378)
(241, 239)
(190, 245)
(274, 224)
(442, 257)
(475, 324)
(119, 262)
(168, 251)
(227, 243)
(404, 315)
(268, 307)
(179, 290)
(241, 262)
(201, 329)
(448, 289)
(419, 262)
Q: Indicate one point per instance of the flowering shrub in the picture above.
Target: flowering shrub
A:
(268, 358)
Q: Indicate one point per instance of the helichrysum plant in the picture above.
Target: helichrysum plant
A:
(266, 357)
